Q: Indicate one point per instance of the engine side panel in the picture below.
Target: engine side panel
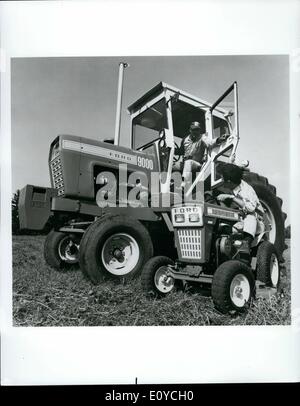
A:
(74, 162)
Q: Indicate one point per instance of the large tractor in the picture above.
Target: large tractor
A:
(116, 239)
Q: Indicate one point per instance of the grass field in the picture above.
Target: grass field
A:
(45, 297)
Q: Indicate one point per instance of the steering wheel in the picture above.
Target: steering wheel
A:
(210, 198)
(176, 158)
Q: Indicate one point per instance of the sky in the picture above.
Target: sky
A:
(52, 96)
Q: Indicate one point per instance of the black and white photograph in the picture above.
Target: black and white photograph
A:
(149, 194)
(138, 202)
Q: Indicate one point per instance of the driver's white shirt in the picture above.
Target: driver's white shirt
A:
(246, 193)
(197, 148)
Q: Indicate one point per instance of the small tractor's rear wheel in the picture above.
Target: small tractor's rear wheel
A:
(60, 250)
(115, 247)
(272, 205)
(232, 286)
(267, 267)
(156, 280)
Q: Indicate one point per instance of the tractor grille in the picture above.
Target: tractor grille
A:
(190, 243)
(57, 175)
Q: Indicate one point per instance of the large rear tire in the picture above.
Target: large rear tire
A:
(273, 208)
(114, 247)
(60, 251)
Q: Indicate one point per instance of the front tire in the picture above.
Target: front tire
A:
(232, 286)
(114, 247)
(60, 251)
(267, 267)
(155, 278)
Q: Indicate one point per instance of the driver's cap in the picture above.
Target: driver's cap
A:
(195, 125)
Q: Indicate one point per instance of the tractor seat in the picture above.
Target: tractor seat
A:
(225, 228)
(237, 236)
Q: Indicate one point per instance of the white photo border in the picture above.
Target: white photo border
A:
(94, 355)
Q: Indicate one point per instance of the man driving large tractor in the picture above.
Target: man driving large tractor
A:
(194, 148)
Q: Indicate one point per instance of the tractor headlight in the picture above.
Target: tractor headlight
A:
(187, 216)
(179, 218)
(194, 218)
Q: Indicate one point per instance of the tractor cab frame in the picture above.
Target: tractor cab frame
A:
(160, 119)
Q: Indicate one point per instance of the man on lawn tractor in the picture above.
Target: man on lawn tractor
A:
(226, 247)
(244, 197)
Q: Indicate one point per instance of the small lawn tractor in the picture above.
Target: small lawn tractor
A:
(212, 252)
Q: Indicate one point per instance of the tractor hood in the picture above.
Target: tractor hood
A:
(75, 162)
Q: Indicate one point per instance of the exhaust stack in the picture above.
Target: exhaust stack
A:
(122, 66)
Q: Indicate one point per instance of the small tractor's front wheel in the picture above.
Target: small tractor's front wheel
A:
(114, 246)
(156, 279)
(232, 286)
(60, 250)
(267, 266)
